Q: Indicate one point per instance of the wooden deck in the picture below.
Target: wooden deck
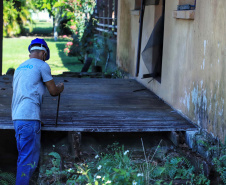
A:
(100, 105)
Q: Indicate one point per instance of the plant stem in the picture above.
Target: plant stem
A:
(156, 150)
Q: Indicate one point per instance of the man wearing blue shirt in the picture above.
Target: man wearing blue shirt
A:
(29, 83)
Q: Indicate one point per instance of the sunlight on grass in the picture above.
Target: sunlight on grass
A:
(40, 28)
(15, 51)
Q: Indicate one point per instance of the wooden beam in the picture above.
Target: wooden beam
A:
(74, 139)
(1, 34)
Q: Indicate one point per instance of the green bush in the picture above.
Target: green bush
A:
(117, 167)
(15, 16)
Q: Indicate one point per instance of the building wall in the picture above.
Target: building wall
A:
(193, 77)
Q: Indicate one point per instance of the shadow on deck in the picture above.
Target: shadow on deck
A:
(100, 105)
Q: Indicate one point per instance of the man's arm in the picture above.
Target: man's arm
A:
(54, 89)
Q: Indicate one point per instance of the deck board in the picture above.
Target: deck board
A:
(100, 105)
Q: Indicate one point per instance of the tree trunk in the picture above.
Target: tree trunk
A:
(55, 31)
(56, 21)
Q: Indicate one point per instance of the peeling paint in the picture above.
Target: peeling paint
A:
(200, 103)
(200, 79)
(186, 101)
(210, 104)
(203, 63)
(210, 107)
(221, 109)
(205, 43)
(201, 83)
(204, 104)
(194, 94)
(216, 105)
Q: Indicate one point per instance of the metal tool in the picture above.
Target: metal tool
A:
(58, 105)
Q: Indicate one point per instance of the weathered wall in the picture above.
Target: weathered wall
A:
(193, 77)
(125, 47)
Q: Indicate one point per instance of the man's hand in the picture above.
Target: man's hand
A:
(54, 89)
(60, 86)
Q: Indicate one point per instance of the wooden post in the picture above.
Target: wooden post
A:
(74, 139)
(1, 34)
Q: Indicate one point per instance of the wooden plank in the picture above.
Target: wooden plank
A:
(101, 105)
(103, 129)
(67, 127)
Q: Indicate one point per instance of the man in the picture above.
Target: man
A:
(29, 82)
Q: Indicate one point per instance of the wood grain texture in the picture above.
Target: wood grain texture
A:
(101, 105)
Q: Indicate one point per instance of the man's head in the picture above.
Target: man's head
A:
(39, 49)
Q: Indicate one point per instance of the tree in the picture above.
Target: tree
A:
(15, 16)
(82, 24)
(54, 8)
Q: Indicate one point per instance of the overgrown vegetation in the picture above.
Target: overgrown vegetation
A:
(77, 17)
(220, 159)
(82, 24)
(16, 15)
(7, 178)
(117, 166)
(86, 42)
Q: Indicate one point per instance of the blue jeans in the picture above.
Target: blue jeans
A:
(28, 136)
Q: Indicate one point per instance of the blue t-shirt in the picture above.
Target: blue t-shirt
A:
(28, 89)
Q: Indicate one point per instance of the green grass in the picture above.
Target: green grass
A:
(15, 51)
(40, 28)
